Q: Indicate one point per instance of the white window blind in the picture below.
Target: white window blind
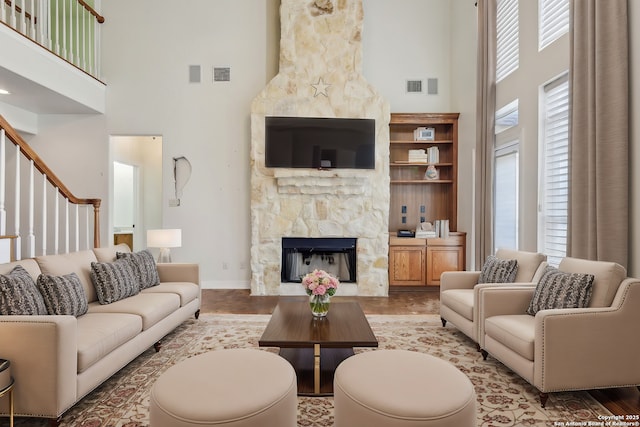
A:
(506, 197)
(554, 195)
(507, 54)
(553, 19)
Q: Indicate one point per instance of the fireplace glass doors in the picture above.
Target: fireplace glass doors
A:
(336, 256)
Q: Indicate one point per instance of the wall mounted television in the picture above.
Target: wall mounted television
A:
(320, 143)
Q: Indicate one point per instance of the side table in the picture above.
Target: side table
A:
(9, 389)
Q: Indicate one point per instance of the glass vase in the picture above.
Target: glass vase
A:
(319, 305)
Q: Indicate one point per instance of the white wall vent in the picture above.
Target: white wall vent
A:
(414, 86)
(221, 74)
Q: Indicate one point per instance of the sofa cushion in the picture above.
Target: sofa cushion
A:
(557, 289)
(528, 262)
(101, 333)
(30, 265)
(113, 280)
(73, 262)
(108, 254)
(151, 307)
(63, 294)
(497, 270)
(143, 266)
(459, 300)
(185, 290)
(516, 331)
(19, 295)
(607, 278)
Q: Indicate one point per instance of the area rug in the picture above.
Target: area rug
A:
(504, 399)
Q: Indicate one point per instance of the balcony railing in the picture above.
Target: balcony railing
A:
(68, 28)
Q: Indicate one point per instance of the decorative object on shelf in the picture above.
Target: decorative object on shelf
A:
(418, 156)
(424, 134)
(164, 239)
(434, 154)
(431, 173)
(425, 230)
(320, 286)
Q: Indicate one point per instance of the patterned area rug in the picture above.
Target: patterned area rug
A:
(504, 399)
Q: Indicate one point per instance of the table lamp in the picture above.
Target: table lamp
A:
(164, 239)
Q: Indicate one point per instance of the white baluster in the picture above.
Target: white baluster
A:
(44, 214)
(86, 231)
(85, 16)
(66, 228)
(3, 183)
(13, 19)
(56, 224)
(31, 237)
(63, 30)
(77, 239)
(34, 34)
(57, 15)
(18, 248)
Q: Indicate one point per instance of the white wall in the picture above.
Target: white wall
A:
(147, 48)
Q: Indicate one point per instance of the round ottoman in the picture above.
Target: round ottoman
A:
(239, 387)
(402, 388)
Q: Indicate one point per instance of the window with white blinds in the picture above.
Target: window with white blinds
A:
(554, 170)
(506, 198)
(507, 54)
(553, 20)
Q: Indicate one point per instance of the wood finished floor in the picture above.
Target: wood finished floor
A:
(620, 401)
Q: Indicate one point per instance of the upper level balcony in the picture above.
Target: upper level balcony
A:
(49, 60)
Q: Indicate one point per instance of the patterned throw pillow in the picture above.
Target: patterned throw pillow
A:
(19, 295)
(496, 270)
(143, 266)
(63, 294)
(557, 289)
(113, 280)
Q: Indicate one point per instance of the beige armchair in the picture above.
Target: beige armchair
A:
(457, 289)
(572, 348)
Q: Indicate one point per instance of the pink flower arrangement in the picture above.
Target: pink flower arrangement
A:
(319, 282)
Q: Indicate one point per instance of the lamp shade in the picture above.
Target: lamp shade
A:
(167, 238)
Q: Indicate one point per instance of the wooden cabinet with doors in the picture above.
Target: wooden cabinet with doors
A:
(406, 261)
(420, 197)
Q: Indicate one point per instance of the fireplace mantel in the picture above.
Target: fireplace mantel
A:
(338, 182)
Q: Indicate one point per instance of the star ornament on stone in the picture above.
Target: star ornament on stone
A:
(321, 88)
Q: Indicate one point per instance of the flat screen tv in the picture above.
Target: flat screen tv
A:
(320, 143)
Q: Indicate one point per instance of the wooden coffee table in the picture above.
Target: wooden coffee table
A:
(315, 347)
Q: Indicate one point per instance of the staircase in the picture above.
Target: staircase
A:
(38, 214)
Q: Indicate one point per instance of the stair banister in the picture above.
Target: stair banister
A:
(48, 176)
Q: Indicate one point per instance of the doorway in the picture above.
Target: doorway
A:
(136, 188)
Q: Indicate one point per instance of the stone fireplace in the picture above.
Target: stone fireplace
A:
(320, 76)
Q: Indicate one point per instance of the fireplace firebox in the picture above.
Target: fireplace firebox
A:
(302, 255)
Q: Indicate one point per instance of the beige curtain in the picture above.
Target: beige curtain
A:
(485, 129)
(599, 131)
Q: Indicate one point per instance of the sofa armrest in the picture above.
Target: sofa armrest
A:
(458, 280)
(43, 355)
(495, 300)
(179, 272)
(584, 348)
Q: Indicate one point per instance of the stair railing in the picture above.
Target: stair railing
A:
(59, 211)
(68, 28)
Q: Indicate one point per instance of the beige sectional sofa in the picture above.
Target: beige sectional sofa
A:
(58, 359)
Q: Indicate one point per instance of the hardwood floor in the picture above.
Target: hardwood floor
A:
(620, 401)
